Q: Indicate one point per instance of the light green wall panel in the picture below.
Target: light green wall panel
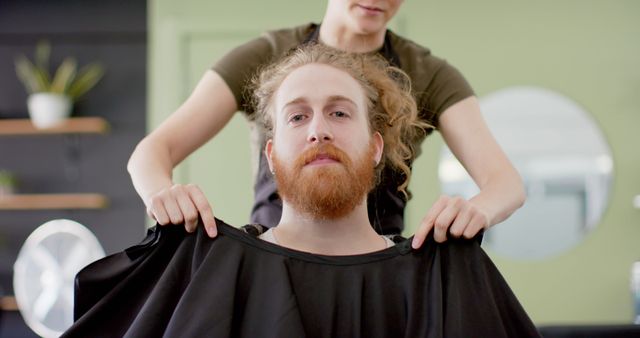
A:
(585, 49)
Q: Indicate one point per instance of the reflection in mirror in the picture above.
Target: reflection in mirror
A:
(565, 164)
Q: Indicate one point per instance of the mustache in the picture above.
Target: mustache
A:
(325, 192)
(324, 150)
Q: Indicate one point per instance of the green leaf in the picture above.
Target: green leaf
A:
(43, 78)
(34, 79)
(64, 76)
(87, 78)
(43, 52)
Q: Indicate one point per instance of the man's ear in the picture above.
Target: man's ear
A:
(378, 142)
(268, 150)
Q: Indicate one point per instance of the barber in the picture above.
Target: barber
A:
(445, 99)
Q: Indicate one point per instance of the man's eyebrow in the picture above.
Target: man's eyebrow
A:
(331, 99)
(296, 101)
(335, 98)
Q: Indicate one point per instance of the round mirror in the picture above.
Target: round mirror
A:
(45, 271)
(565, 164)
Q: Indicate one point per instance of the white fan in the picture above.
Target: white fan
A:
(44, 273)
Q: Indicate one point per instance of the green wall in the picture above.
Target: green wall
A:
(585, 49)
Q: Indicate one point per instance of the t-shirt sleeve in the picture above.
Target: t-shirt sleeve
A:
(436, 84)
(446, 88)
(238, 66)
(450, 87)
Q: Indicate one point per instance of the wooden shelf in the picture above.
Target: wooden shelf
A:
(8, 303)
(74, 125)
(52, 201)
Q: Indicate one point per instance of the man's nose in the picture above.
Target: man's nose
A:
(319, 130)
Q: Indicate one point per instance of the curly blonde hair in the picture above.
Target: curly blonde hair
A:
(391, 106)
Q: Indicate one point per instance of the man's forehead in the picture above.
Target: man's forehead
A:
(319, 83)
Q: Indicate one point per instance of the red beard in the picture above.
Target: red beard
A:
(325, 191)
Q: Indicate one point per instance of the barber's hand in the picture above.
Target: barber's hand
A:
(182, 204)
(454, 215)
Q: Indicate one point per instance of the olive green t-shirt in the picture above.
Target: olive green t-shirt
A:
(436, 86)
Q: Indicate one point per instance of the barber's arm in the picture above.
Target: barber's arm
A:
(198, 119)
(501, 189)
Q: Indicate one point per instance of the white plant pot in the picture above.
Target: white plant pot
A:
(48, 110)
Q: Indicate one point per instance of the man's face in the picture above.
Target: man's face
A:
(366, 16)
(322, 151)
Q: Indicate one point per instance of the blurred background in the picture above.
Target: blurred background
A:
(559, 83)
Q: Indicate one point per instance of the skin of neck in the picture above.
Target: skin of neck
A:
(335, 33)
(348, 235)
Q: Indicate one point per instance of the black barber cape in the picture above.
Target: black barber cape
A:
(177, 284)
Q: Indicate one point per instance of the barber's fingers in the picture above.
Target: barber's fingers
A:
(469, 221)
(157, 211)
(461, 222)
(204, 209)
(428, 221)
(479, 221)
(182, 204)
(187, 208)
(173, 210)
(446, 218)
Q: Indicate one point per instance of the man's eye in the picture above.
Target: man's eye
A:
(296, 118)
(340, 113)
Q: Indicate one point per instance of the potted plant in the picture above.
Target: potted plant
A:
(7, 183)
(51, 97)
